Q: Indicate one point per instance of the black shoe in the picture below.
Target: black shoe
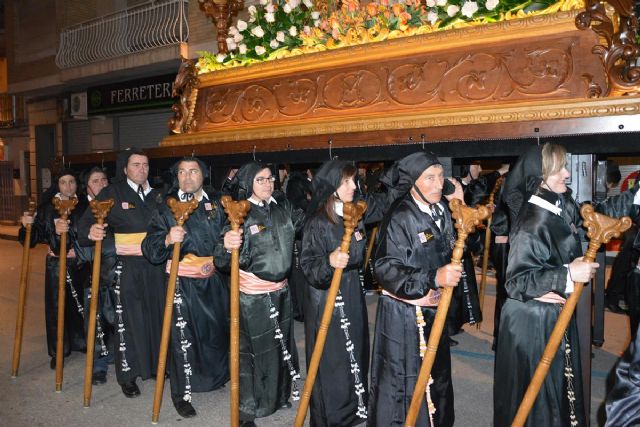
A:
(184, 409)
(452, 342)
(130, 389)
(52, 363)
(248, 424)
(99, 378)
(286, 405)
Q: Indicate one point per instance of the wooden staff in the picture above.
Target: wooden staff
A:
(22, 294)
(64, 208)
(352, 215)
(601, 229)
(236, 212)
(487, 245)
(466, 220)
(372, 241)
(100, 211)
(181, 212)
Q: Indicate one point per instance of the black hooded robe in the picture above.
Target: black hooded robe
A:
(199, 346)
(139, 288)
(43, 231)
(267, 250)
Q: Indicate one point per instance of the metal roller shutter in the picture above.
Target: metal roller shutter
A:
(143, 130)
(77, 137)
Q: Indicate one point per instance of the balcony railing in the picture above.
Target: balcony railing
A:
(144, 27)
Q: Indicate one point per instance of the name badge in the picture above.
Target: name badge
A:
(424, 237)
(358, 236)
(255, 229)
(207, 206)
(125, 205)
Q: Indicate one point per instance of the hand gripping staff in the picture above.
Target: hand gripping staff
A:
(64, 208)
(236, 212)
(352, 214)
(100, 211)
(22, 295)
(487, 245)
(600, 229)
(181, 212)
(466, 220)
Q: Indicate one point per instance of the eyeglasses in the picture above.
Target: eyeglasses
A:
(268, 180)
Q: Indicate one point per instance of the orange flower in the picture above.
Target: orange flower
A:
(372, 9)
(352, 6)
(384, 3)
(333, 22)
(387, 14)
(397, 9)
(404, 18)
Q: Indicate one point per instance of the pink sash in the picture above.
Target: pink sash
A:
(430, 300)
(253, 285)
(551, 298)
(194, 267)
(70, 254)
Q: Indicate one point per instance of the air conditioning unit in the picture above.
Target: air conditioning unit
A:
(78, 105)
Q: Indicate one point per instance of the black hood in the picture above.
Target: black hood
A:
(55, 189)
(325, 182)
(523, 180)
(173, 172)
(403, 174)
(242, 182)
(298, 187)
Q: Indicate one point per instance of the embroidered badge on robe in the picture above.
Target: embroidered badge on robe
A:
(424, 237)
(256, 228)
(358, 236)
(128, 205)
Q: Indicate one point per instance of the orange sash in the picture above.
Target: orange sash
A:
(430, 300)
(128, 244)
(253, 285)
(195, 267)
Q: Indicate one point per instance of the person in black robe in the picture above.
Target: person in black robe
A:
(139, 287)
(545, 259)
(199, 346)
(299, 195)
(47, 228)
(339, 396)
(268, 357)
(412, 263)
(623, 401)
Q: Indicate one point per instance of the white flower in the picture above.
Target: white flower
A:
(469, 8)
(264, 2)
(293, 31)
(308, 3)
(441, 3)
(316, 23)
(307, 29)
(242, 49)
(238, 38)
(252, 10)
(270, 17)
(432, 17)
(233, 31)
(280, 36)
(452, 10)
(287, 8)
(294, 3)
(242, 25)
(315, 15)
(274, 44)
(220, 57)
(257, 31)
(260, 50)
(491, 4)
(431, 3)
(231, 44)
(270, 8)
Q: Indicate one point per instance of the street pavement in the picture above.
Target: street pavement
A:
(31, 400)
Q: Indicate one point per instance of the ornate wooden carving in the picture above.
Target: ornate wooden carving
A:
(549, 68)
(620, 51)
(220, 13)
(185, 89)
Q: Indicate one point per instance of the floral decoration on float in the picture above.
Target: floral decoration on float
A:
(284, 28)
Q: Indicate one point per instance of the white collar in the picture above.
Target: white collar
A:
(539, 201)
(258, 202)
(423, 206)
(338, 207)
(146, 188)
(203, 195)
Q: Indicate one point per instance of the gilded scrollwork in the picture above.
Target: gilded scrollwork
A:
(185, 88)
(621, 51)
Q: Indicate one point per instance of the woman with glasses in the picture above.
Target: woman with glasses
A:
(268, 359)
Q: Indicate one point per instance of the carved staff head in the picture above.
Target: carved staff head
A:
(101, 209)
(182, 210)
(64, 207)
(601, 228)
(31, 209)
(236, 211)
(467, 218)
(352, 213)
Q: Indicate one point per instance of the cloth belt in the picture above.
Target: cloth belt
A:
(430, 300)
(129, 243)
(70, 254)
(551, 298)
(195, 267)
(253, 285)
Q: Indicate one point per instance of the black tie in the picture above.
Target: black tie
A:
(141, 191)
(437, 214)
